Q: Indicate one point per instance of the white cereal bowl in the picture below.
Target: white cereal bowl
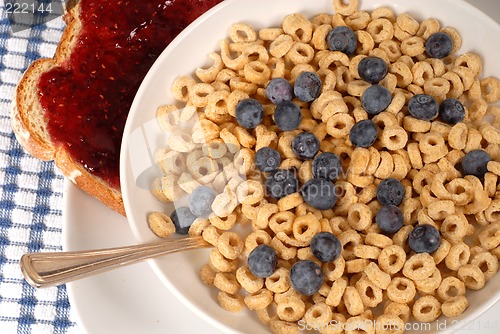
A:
(190, 50)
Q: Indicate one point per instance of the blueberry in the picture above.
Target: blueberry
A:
(389, 218)
(364, 133)
(200, 201)
(279, 90)
(475, 162)
(439, 45)
(287, 116)
(423, 106)
(451, 111)
(267, 159)
(390, 191)
(424, 239)
(307, 86)
(305, 145)
(327, 166)
(319, 193)
(249, 113)
(262, 261)
(326, 246)
(306, 277)
(372, 69)
(182, 218)
(280, 183)
(376, 99)
(342, 39)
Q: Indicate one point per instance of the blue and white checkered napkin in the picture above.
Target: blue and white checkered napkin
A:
(30, 197)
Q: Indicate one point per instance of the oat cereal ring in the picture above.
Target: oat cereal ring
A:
(353, 302)
(242, 33)
(384, 120)
(457, 138)
(367, 194)
(181, 87)
(359, 216)
(259, 300)
(377, 276)
(490, 89)
(298, 26)
(370, 293)
(426, 309)
(248, 281)
(428, 27)
(257, 72)
(282, 222)
(422, 71)
(360, 323)
(173, 163)
(279, 281)
(339, 125)
(356, 265)
(433, 143)
(430, 284)
(441, 209)
(348, 240)
(346, 8)
(466, 75)
(231, 303)
(300, 53)
(256, 238)
(394, 138)
(283, 251)
(437, 87)
(401, 290)
(487, 262)
(407, 23)
(492, 213)
(490, 133)
(456, 86)
(270, 34)
(380, 29)
(230, 245)
(454, 227)
(419, 266)
(305, 227)
(226, 282)
(318, 315)
(392, 259)
(365, 42)
(450, 287)
(400, 310)
(412, 124)
(388, 323)
(454, 306)
(263, 215)
(413, 46)
(378, 240)
(198, 94)
(187, 183)
(357, 87)
(223, 223)
(391, 48)
(472, 276)
(284, 327)
(337, 290)
(250, 192)
(224, 203)
(490, 236)
(334, 269)
(415, 156)
(160, 224)
(386, 166)
(220, 263)
(291, 309)
(318, 40)
(358, 20)
(458, 256)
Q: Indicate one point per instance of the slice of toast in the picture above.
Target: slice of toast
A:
(30, 119)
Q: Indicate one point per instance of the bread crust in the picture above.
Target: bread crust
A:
(29, 125)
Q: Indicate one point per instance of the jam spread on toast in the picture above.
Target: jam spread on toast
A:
(86, 100)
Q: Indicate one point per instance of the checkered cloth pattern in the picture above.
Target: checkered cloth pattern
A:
(31, 197)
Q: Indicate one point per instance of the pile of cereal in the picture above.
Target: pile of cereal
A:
(363, 153)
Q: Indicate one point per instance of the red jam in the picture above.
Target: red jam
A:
(87, 99)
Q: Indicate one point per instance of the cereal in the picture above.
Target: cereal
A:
(424, 155)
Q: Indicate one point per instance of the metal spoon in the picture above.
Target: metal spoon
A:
(47, 269)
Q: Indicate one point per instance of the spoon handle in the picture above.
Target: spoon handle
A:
(46, 269)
